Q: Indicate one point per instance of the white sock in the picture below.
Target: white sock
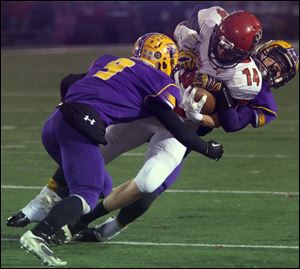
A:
(38, 208)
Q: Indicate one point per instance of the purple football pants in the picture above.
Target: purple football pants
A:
(80, 159)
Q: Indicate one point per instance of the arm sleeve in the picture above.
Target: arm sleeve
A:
(233, 120)
(67, 82)
(176, 127)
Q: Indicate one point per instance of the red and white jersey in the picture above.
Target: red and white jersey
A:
(244, 81)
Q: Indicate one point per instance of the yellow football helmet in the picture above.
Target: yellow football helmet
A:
(157, 50)
(278, 62)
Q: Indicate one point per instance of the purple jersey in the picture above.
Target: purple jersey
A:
(258, 112)
(264, 105)
(118, 89)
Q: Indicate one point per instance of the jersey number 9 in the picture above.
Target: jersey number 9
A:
(114, 67)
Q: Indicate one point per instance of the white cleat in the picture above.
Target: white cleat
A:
(38, 246)
(108, 229)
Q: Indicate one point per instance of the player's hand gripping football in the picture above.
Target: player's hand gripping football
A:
(192, 108)
(214, 150)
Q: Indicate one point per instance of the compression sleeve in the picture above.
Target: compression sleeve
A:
(176, 127)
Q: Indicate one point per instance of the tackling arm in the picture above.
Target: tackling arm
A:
(233, 120)
(183, 133)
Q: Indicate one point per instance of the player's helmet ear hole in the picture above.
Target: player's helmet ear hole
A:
(164, 65)
(159, 66)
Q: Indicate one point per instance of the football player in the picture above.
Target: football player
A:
(114, 90)
(278, 63)
(227, 64)
(238, 87)
(279, 56)
(223, 44)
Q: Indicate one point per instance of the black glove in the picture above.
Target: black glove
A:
(214, 150)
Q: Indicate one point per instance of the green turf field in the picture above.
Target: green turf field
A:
(241, 212)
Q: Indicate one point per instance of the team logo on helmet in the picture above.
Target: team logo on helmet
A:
(157, 50)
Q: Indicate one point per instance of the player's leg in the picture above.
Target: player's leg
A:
(120, 137)
(38, 208)
(115, 225)
(84, 176)
(164, 154)
(123, 137)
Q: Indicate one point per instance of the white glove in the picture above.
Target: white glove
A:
(177, 74)
(187, 38)
(191, 107)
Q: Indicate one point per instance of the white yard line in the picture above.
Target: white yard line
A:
(181, 244)
(19, 187)
(141, 154)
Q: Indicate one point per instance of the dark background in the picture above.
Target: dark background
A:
(41, 23)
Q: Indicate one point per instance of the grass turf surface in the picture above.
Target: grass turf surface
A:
(264, 159)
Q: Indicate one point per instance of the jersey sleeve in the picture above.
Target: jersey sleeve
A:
(208, 18)
(262, 116)
(258, 112)
(264, 107)
(169, 95)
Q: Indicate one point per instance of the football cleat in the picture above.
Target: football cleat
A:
(100, 233)
(38, 247)
(87, 235)
(18, 220)
(62, 235)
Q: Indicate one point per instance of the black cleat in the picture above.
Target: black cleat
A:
(87, 235)
(18, 220)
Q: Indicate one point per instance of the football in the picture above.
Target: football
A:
(210, 104)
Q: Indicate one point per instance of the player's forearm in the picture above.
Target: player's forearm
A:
(233, 120)
(210, 121)
(177, 128)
